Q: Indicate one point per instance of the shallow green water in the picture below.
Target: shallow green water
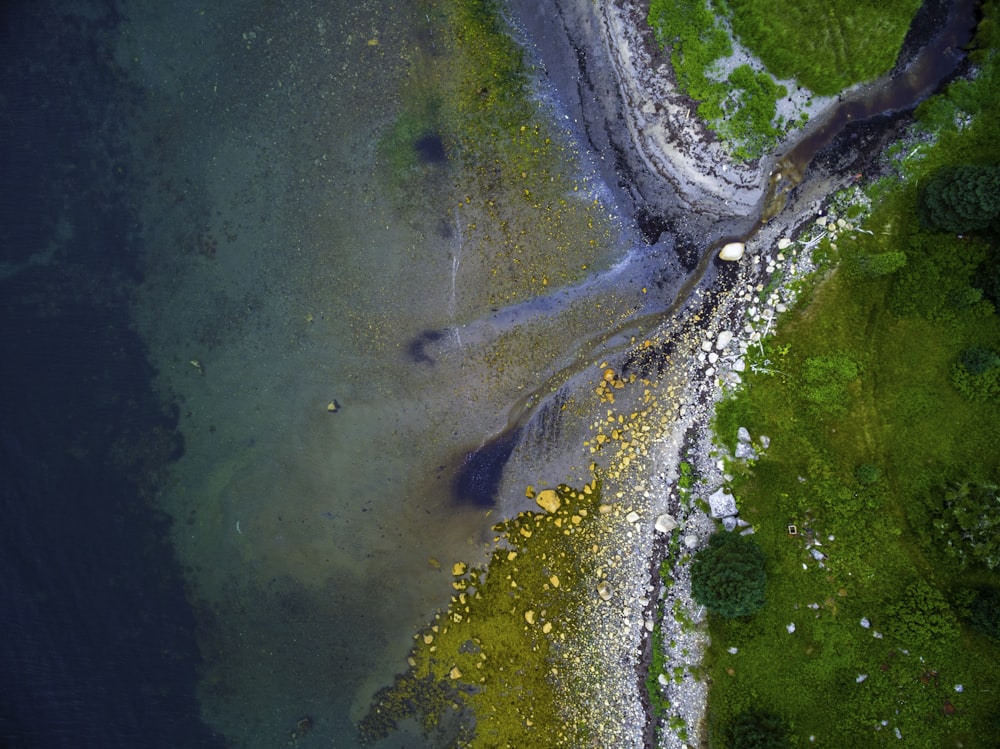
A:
(290, 267)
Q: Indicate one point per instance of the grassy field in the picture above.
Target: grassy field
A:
(868, 432)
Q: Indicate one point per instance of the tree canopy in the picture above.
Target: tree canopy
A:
(728, 576)
(964, 198)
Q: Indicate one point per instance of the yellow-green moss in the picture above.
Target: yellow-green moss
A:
(491, 654)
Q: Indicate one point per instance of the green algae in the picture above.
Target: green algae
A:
(510, 185)
(491, 662)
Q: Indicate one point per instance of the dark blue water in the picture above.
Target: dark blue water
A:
(97, 641)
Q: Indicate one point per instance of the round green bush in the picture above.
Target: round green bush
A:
(758, 729)
(728, 576)
(962, 198)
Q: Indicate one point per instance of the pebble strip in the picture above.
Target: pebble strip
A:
(638, 446)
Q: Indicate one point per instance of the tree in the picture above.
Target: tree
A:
(757, 729)
(962, 198)
(728, 576)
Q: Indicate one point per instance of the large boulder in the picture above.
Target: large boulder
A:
(732, 251)
(665, 523)
(722, 504)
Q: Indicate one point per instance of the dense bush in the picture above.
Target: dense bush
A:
(742, 108)
(921, 618)
(728, 576)
(963, 198)
(984, 613)
(873, 265)
(826, 44)
(758, 730)
(969, 523)
(825, 380)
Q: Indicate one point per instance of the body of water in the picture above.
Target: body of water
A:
(244, 358)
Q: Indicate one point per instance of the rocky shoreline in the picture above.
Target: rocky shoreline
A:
(731, 315)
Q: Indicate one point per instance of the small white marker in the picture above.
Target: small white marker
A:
(238, 528)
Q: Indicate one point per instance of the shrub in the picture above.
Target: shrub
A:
(758, 730)
(970, 522)
(866, 474)
(962, 198)
(984, 613)
(977, 359)
(825, 382)
(876, 264)
(921, 618)
(984, 386)
(728, 576)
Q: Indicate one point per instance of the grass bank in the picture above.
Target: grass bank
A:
(873, 628)
(822, 46)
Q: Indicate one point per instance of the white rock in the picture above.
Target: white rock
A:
(722, 504)
(632, 517)
(663, 680)
(665, 523)
(861, 678)
(784, 243)
(865, 623)
(790, 627)
(690, 540)
(732, 650)
(713, 358)
(706, 345)
(732, 251)
(739, 365)
(723, 340)
(604, 590)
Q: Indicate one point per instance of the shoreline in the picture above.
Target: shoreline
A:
(706, 180)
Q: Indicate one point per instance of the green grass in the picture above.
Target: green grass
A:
(881, 396)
